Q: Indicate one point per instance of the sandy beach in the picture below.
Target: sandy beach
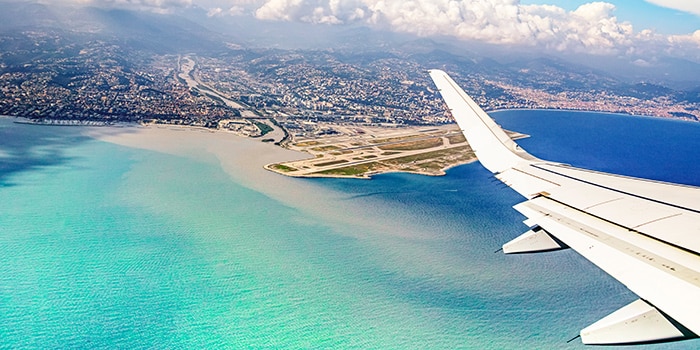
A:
(241, 157)
(244, 159)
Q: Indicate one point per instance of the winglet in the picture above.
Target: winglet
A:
(494, 148)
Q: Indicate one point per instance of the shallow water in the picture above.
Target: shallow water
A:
(109, 246)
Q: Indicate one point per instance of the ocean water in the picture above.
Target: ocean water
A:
(653, 148)
(106, 246)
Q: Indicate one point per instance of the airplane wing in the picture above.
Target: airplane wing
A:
(644, 233)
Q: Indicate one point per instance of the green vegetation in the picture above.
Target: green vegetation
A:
(464, 152)
(285, 139)
(325, 148)
(413, 145)
(434, 166)
(282, 167)
(341, 161)
(341, 152)
(216, 99)
(393, 139)
(354, 170)
(307, 143)
(457, 138)
(264, 128)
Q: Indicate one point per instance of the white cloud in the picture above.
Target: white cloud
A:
(232, 11)
(229, 7)
(286, 10)
(311, 11)
(591, 28)
(684, 45)
(162, 6)
(690, 6)
(213, 12)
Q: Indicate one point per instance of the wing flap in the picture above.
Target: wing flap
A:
(637, 261)
(644, 233)
(664, 221)
(535, 240)
(673, 194)
(648, 210)
(525, 182)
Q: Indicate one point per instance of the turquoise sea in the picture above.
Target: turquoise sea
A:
(107, 246)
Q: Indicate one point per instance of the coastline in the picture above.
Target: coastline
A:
(288, 154)
(264, 155)
(593, 111)
(369, 175)
(363, 152)
(161, 143)
(243, 160)
(69, 122)
(283, 154)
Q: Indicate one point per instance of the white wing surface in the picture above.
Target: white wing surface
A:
(644, 233)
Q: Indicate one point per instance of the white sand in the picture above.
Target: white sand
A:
(243, 159)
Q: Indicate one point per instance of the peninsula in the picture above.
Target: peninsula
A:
(360, 152)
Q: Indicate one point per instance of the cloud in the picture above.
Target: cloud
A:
(218, 8)
(312, 11)
(285, 10)
(690, 38)
(681, 5)
(218, 11)
(684, 45)
(591, 28)
(161, 6)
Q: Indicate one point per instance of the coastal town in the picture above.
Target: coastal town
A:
(335, 106)
(103, 82)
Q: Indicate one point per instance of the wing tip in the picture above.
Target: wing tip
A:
(434, 72)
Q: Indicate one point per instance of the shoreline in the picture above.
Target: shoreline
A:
(268, 166)
(365, 152)
(78, 122)
(122, 127)
(368, 175)
(594, 111)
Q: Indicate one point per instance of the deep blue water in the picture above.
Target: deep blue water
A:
(653, 148)
(471, 200)
(104, 246)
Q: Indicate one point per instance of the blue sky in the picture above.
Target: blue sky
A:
(642, 14)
